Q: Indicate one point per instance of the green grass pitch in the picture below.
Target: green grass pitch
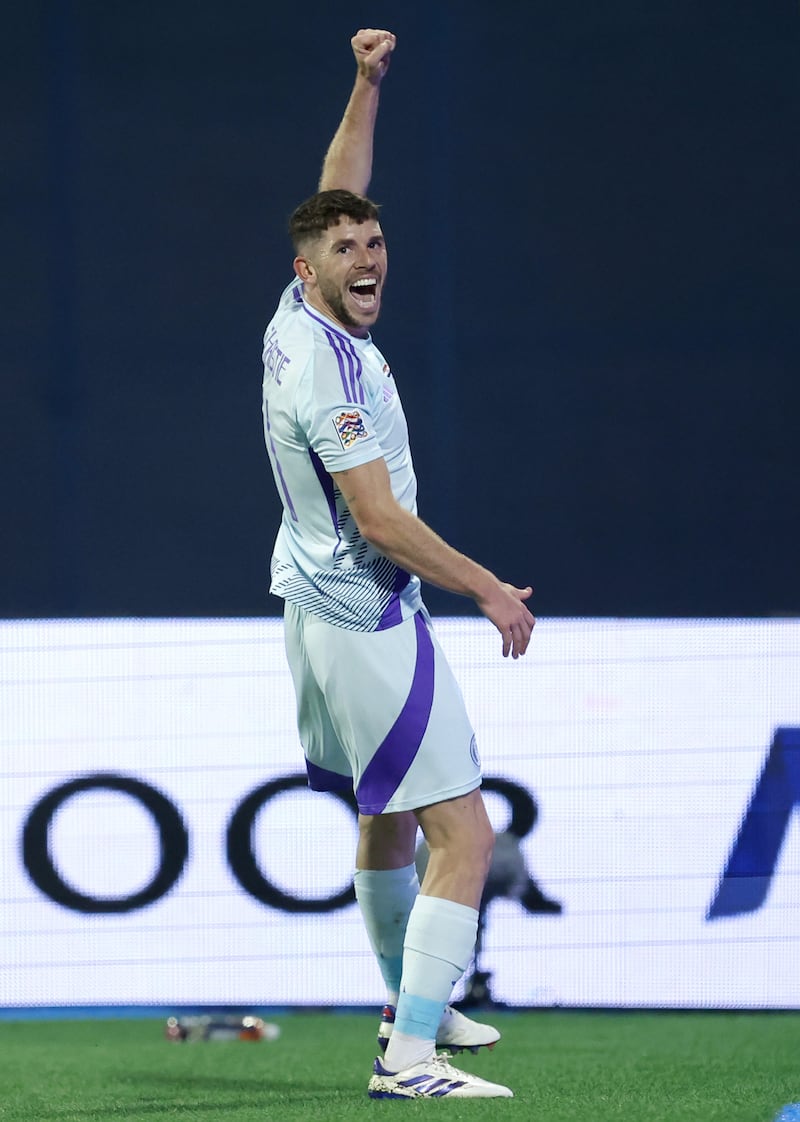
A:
(563, 1067)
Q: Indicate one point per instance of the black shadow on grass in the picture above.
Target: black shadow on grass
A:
(267, 1083)
(183, 1104)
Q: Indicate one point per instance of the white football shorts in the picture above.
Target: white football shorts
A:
(380, 712)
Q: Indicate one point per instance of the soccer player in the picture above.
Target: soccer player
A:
(378, 708)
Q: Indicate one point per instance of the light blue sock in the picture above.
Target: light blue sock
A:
(385, 897)
(440, 939)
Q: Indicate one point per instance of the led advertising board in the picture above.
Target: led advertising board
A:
(159, 844)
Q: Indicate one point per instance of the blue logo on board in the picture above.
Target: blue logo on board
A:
(751, 866)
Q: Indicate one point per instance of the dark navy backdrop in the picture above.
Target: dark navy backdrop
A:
(591, 212)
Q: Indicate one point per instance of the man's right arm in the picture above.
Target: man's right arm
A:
(348, 161)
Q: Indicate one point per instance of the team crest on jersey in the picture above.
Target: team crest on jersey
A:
(350, 428)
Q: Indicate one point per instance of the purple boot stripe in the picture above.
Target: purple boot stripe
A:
(387, 768)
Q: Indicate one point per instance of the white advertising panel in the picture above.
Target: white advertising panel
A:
(158, 844)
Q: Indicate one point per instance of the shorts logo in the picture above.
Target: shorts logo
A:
(473, 751)
(350, 428)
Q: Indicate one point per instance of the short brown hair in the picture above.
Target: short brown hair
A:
(323, 210)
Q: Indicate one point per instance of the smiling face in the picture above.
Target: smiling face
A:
(343, 271)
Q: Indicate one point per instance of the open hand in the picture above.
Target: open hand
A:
(506, 609)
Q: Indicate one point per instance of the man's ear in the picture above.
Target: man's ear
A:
(304, 270)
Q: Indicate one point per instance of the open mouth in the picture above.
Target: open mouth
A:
(365, 293)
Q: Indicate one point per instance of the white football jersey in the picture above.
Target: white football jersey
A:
(330, 403)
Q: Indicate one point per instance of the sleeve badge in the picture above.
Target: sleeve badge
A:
(350, 428)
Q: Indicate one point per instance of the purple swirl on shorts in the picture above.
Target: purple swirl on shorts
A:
(395, 755)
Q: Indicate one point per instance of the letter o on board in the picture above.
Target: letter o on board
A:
(173, 840)
(242, 860)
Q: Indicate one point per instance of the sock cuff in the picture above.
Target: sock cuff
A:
(437, 907)
(389, 878)
(443, 929)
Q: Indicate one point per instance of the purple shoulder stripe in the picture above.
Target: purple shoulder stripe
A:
(350, 367)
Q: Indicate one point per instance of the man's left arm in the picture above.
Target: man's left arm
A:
(348, 161)
(414, 546)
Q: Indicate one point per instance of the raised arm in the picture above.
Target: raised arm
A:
(348, 162)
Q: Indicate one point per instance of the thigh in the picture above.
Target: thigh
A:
(398, 714)
(326, 761)
(362, 678)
